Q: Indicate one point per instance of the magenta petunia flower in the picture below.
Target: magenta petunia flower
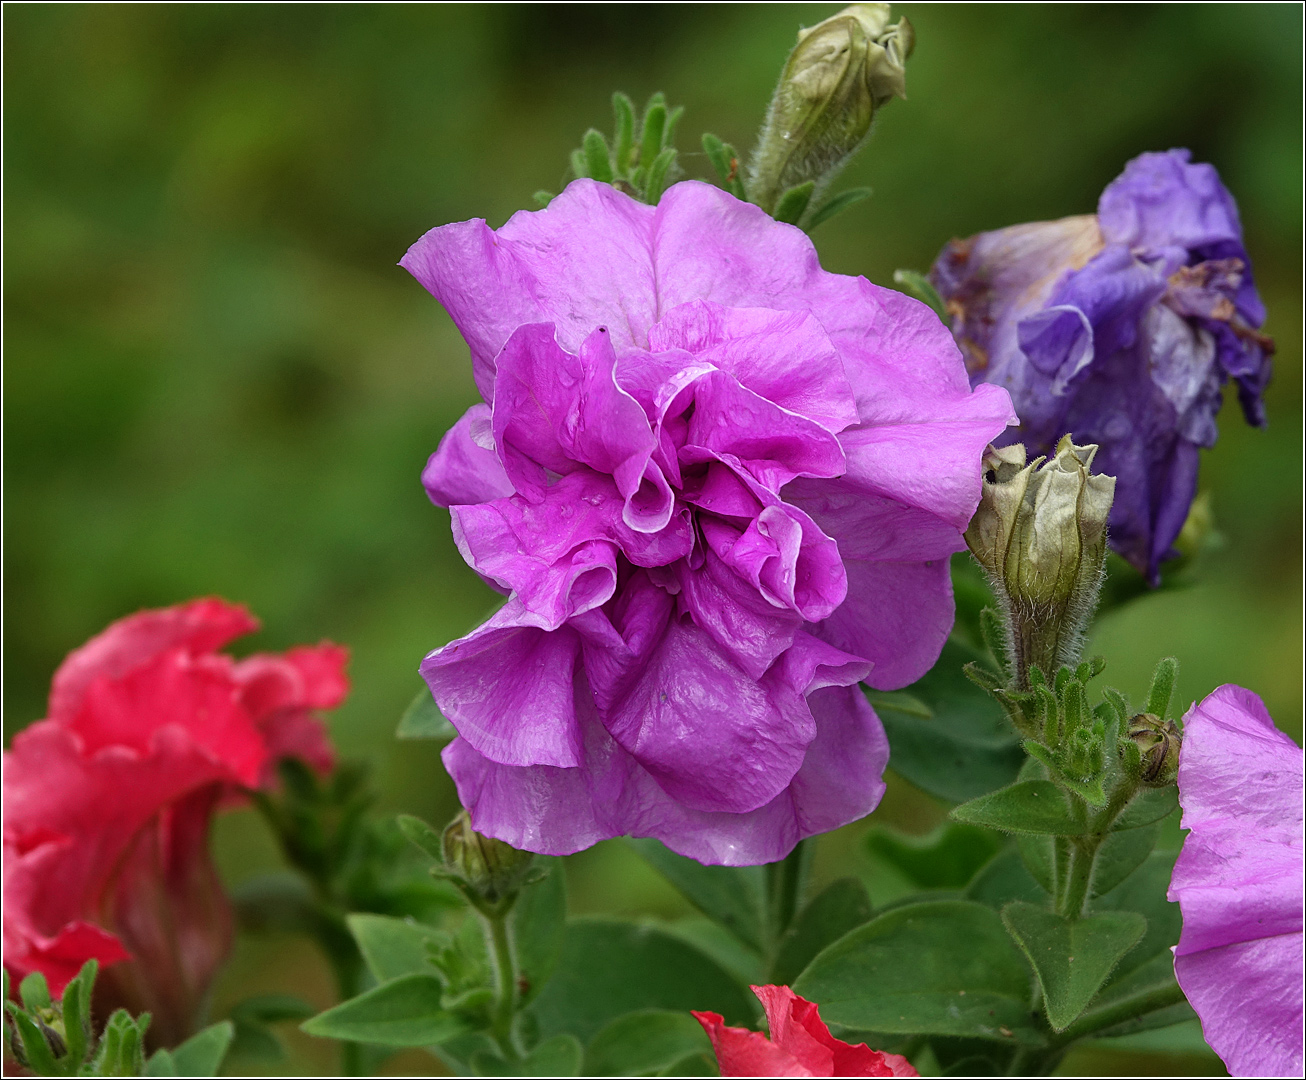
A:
(1239, 883)
(720, 487)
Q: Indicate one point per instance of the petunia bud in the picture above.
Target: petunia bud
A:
(841, 71)
(1040, 533)
(1158, 743)
(490, 868)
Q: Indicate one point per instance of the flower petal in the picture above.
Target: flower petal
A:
(464, 468)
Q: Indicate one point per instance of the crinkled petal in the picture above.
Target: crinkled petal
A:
(1163, 200)
(740, 1052)
(60, 958)
(464, 468)
(788, 1017)
(507, 688)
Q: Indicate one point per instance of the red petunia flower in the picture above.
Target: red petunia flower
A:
(107, 802)
(800, 1044)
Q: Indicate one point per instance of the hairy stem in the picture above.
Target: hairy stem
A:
(505, 970)
(1139, 1004)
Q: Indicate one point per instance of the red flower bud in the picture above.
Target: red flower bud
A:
(800, 1044)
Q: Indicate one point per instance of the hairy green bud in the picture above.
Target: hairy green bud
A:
(841, 71)
(1040, 534)
(1158, 743)
(491, 869)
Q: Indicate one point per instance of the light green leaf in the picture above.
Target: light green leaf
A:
(943, 967)
(841, 906)
(202, 1053)
(964, 747)
(730, 895)
(793, 203)
(645, 1043)
(610, 967)
(916, 284)
(837, 205)
(394, 947)
(1030, 806)
(946, 858)
(424, 720)
(539, 926)
(403, 1012)
(1071, 957)
(1149, 805)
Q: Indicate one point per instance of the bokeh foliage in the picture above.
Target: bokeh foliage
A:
(217, 380)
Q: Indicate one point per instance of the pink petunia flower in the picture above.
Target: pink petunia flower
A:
(1238, 882)
(107, 802)
(800, 1044)
(720, 487)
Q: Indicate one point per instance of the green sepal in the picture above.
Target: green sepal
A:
(1072, 958)
(1029, 806)
(34, 992)
(598, 158)
(916, 284)
(657, 175)
(40, 1058)
(543, 198)
(983, 677)
(673, 122)
(1118, 702)
(623, 111)
(793, 203)
(719, 154)
(423, 719)
(655, 122)
(578, 163)
(1162, 689)
(832, 208)
(993, 632)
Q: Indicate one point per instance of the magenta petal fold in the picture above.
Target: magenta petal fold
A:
(1238, 882)
(720, 487)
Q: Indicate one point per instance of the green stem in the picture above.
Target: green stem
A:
(1083, 853)
(784, 889)
(506, 1004)
(1161, 997)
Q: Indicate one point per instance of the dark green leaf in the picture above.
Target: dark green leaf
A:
(254, 1041)
(420, 833)
(394, 947)
(202, 1053)
(558, 1056)
(403, 1012)
(1071, 957)
(734, 896)
(1031, 806)
(1005, 878)
(1121, 854)
(793, 203)
(281, 900)
(965, 747)
(1036, 852)
(834, 207)
(1149, 805)
(271, 1009)
(539, 926)
(916, 284)
(609, 968)
(644, 1043)
(694, 1065)
(841, 906)
(721, 945)
(946, 858)
(1144, 891)
(423, 718)
(942, 967)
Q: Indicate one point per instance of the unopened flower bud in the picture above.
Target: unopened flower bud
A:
(492, 869)
(841, 71)
(1040, 533)
(1158, 743)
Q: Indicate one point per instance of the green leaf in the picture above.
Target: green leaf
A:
(271, 1009)
(539, 927)
(542, 199)
(916, 284)
(1149, 805)
(943, 967)
(423, 718)
(946, 858)
(623, 111)
(673, 122)
(1121, 854)
(598, 160)
(1163, 680)
(202, 1053)
(420, 833)
(610, 967)
(645, 1043)
(793, 203)
(281, 900)
(1036, 852)
(734, 896)
(1005, 878)
(35, 992)
(834, 207)
(162, 1064)
(841, 906)
(965, 747)
(558, 1056)
(1071, 957)
(394, 947)
(1030, 806)
(657, 175)
(704, 1064)
(718, 154)
(578, 166)
(746, 965)
(655, 122)
(403, 1012)
(1144, 891)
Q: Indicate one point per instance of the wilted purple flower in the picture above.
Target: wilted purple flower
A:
(720, 487)
(1119, 328)
(1239, 883)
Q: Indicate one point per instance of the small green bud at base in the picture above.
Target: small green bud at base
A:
(491, 869)
(841, 71)
(1040, 535)
(1157, 742)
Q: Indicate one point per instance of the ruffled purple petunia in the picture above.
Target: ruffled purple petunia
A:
(1119, 328)
(1238, 882)
(720, 487)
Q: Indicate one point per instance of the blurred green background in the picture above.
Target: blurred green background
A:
(217, 380)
